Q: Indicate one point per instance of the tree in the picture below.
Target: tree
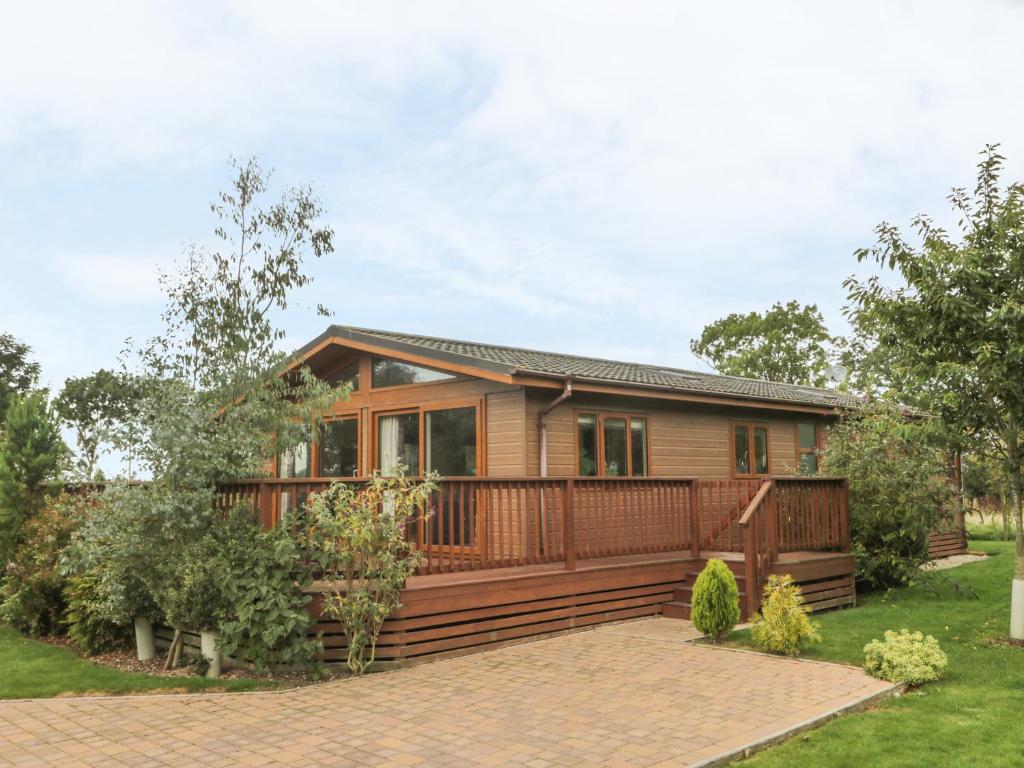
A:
(898, 490)
(956, 323)
(788, 343)
(18, 374)
(31, 455)
(100, 408)
(217, 400)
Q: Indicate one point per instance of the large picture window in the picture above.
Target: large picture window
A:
(442, 440)
(749, 450)
(611, 445)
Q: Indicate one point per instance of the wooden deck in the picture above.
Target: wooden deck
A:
(511, 559)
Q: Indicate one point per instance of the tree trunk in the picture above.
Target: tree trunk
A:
(1017, 590)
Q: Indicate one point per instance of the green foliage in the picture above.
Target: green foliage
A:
(31, 455)
(18, 374)
(716, 600)
(120, 544)
(788, 343)
(100, 408)
(32, 589)
(364, 555)
(85, 618)
(896, 469)
(952, 330)
(783, 624)
(261, 580)
(189, 594)
(905, 657)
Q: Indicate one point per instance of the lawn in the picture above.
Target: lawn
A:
(29, 669)
(971, 717)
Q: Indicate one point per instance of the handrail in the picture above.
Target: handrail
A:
(755, 503)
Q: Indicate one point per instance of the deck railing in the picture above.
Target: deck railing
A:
(791, 514)
(479, 522)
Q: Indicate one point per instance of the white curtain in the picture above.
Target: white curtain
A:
(390, 442)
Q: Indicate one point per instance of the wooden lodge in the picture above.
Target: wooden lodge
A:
(575, 491)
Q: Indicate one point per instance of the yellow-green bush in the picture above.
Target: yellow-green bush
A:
(783, 625)
(716, 600)
(905, 657)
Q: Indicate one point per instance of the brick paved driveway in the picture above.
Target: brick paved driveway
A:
(633, 694)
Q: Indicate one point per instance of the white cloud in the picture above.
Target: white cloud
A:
(118, 278)
(610, 165)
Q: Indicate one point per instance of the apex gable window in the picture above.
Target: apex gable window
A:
(611, 445)
(385, 372)
(347, 375)
(807, 447)
(749, 450)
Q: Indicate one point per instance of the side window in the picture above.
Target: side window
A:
(807, 446)
(611, 445)
(749, 450)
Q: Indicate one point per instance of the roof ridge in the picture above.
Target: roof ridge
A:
(667, 368)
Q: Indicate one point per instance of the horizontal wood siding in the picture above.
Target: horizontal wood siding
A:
(505, 424)
(685, 440)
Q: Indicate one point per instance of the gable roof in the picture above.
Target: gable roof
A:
(515, 361)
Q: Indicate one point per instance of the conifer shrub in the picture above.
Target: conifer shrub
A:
(905, 657)
(716, 600)
(783, 624)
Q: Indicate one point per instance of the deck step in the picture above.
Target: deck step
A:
(676, 610)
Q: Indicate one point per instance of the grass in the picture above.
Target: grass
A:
(971, 717)
(32, 669)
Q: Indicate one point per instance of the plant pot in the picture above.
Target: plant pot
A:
(145, 644)
(211, 653)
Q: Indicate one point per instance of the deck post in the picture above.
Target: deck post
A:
(750, 540)
(844, 515)
(694, 521)
(265, 505)
(569, 525)
(771, 509)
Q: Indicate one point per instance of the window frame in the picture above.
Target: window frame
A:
(314, 449)
(422, 410)
(600, 417)
(801, 451)
(359, 444)
(751, 426)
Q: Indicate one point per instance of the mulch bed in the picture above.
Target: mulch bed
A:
(1006, 641)
(128, 661)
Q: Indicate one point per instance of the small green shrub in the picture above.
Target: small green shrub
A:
(86, 620)
(716, 600)
(905, 657)
(783, 625)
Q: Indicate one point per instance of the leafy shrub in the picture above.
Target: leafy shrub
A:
(905, 657)
(190, 594)
(119, 544)
(31, 593)
(363, 553)
(86, 622)
(261, 581)
(898, 490)
(716, 600)
(783, 624)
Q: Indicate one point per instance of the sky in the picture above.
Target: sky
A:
(590, 177)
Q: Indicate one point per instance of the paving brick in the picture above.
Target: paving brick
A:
(633, 694)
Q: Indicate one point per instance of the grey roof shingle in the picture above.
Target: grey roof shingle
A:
(514, 360)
